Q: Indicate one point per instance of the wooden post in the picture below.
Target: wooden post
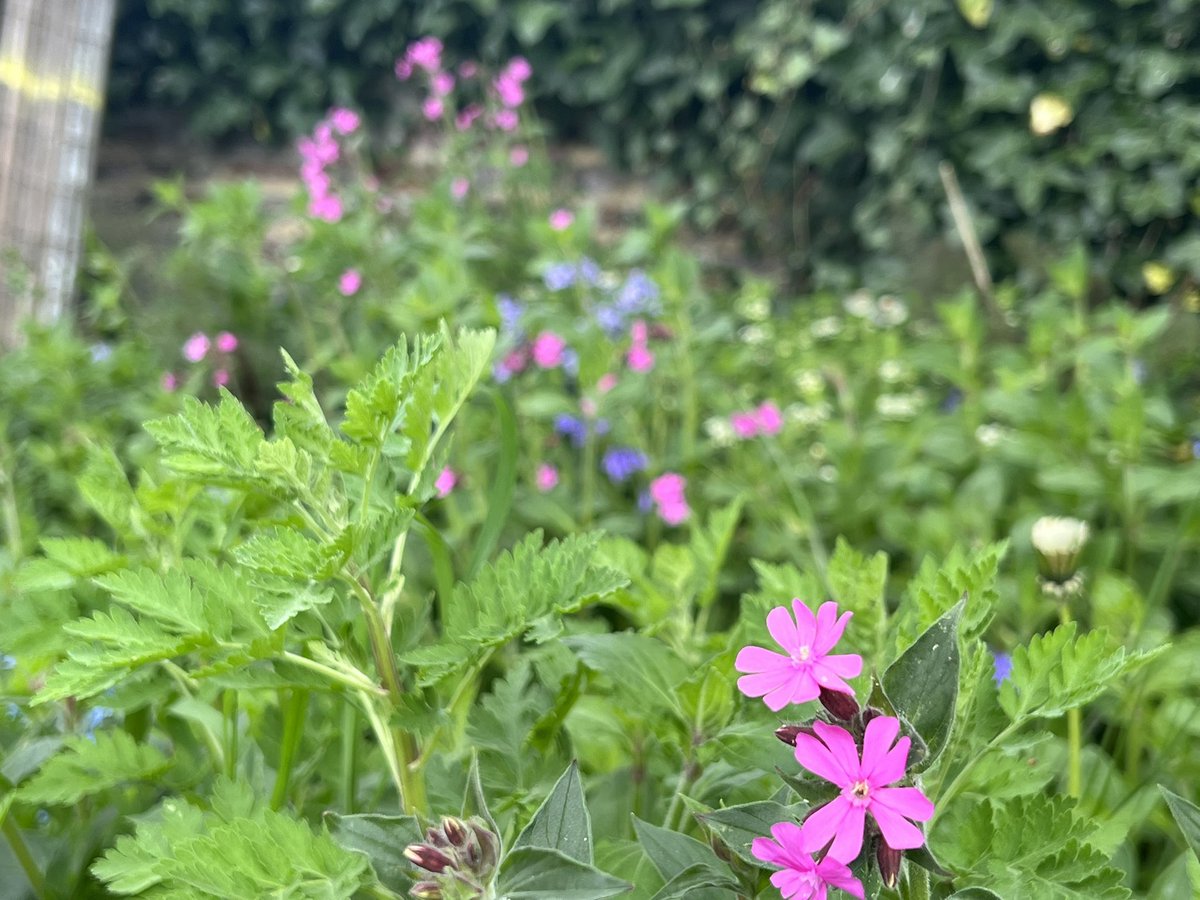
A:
(53, 65)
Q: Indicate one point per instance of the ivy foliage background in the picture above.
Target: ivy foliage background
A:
(817, 127)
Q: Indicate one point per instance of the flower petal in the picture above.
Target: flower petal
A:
(880, 735)
(849, 838)
(823, 823)
(829, 627)
(783, 629)
(827, 679)
(892, 767)
(767, 850)
(800, 688)
(838, 874)
(910, 802)
(817, 758)
(756, 659)
(806, 623)
(842, 748)
(899, 833)
(761, 683)
(848, 665)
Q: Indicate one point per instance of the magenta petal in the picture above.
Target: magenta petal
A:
(842, 748)
(783, 629)
(756, 659)
(762, 683)
(838, 874)
(823, 823)
(899, 833)
(849, 838)
(806, 624)
(847, 665)
(799, 688)
(767, 850)
(814, 756)
(892, 767)
(827, 679)
(829, 627)
(910, 802)
(881, 733)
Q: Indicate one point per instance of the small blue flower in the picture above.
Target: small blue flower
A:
(570, 361)
(7, 662)
(1002, 667)
(510, 313)
(572, 428)
(500, 373)
(96, 717)
(560, 276)
(610, 320)
(622, 463)
(589, 272)
(43, 817)
(13, 711)
(952, 401)
(645, 502)
(638, 294)
(602, 427)
(100, 352)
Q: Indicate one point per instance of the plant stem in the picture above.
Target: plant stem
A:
(918, 883)
(12, 517)
(294, 712)
(960, 779)
(231, 733)
(349, 779)
(358, 681)
(687, 777)
(1074, 728)
(20, 850)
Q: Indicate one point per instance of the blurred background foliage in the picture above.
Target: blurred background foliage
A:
(815, 127)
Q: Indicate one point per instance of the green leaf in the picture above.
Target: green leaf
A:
(382, 839)
(82, 557)
(738, 826)
(672, 852)
(698, 882)
(709, 545)
(217, 445)
(1059, 671)
(106, 489)
(858, 585)
(1187, 817)
(935, 589)
(644, 671)
(87, 767)
(923, 683)
(535, 873)
(562, 822)
(504, 485)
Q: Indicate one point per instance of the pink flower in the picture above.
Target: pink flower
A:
(607, 382)
(515, 362)
(674, 513)
(547, 477)
(833, 755)
(425, 54)
(745, 425)
(350, 282)
(169, 382)
(518, 69)
(770, 419)
(548, 350)
(667, 493)
(505, 120)
(799, 676)
(404, 69)
(459, 188)
(468, 69)
(317, 183)
(510, 91)
(442, 84)
(432, 108)
(639, 358)
(518, 155)
(344, 121)
(196, 347)
(467, 117)
(220, 377)
(227, 342)
(445, 482)
(561, 219)
(802, 877)
(328, 208)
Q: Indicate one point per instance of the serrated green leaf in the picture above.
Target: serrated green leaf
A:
(106, 489)
(644, 671)
(382, 839)
(90, 766)
(562, 822)
(82, 557)
(922, 683)
(534, 873)
(709, 544)
(217, 445)
(936, 588)
(858, 585)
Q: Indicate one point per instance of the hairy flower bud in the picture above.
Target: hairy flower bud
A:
(840, 705)
(455, 831)
(870, 713)
(787, 733)
(425, 890)
(889, 863)
(486, 847)
(431, 859)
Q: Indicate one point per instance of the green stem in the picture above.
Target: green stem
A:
(20, 850)
(1074, 728)
(294, 712)
(231, 733)
(918, 883)
(356, 681)
(960, 779)
(349, 779)
(12, 518)
(687, 777)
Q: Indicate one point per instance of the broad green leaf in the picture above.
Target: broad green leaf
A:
(535, 873)
(672, 852)
(738, 826)
(504, 484)
(90, 766)
(922, 683)
(644, 671)
(698, 882)
(709, 544)
(562, 822)
(382, 839)
(1187, 817)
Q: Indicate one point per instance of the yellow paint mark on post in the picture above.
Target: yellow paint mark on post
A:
(16, 75)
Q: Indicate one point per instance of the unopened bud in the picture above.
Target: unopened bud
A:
(489, 849)
(889, 863)
(787, 733)
(455, 831)
(425, 890)
(870, 713)
(840, 705)
(1058, 542)
(431, 859)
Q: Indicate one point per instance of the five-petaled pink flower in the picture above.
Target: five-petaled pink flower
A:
(833, 755)
(548, 350)
(445, 482)
(802, 877)
(196, 347)
(808, 666)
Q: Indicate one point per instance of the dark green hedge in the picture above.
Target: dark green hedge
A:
(817, 125)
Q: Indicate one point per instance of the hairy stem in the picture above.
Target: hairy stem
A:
(348, 784)
(231, 733)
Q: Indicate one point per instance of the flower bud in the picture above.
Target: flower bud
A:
(425, 890)
(488, 850)
(889, 863)
(840, 705)
(787, 733)
(431, 859)
(455, 831)
(870, 713)
(1058, 542)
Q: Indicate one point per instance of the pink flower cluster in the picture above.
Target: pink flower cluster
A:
(639, 358)
(666, 491)
(816, 854)
(197, 348)
(425, 55)
(317, 153)
(766, 420)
